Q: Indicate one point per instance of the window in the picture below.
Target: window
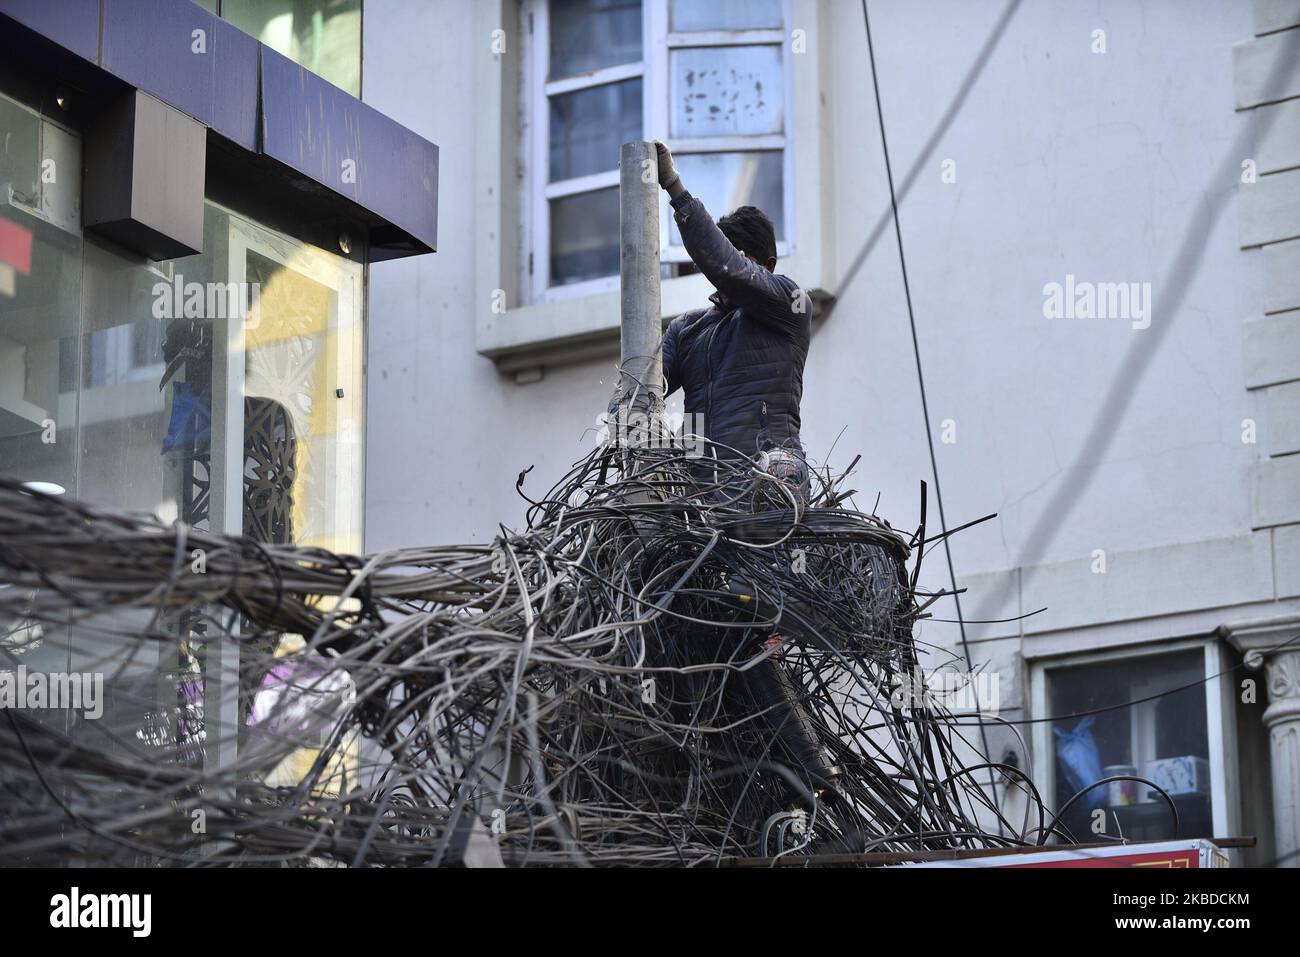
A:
(1141, 712)
(40, 299)
(709, 78)
(322, 35)
(113, 396)
(545, 264)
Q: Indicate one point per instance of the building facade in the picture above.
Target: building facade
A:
(215, 305)
(1099, 211)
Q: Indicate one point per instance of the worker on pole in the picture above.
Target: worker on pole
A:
(739, 362)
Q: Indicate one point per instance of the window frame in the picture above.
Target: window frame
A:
(522, 335)
(658, 44)
(1220, 722)
(697, 145)
(536, 185)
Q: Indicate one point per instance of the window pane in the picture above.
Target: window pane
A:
(723, 181)
(40, 302)
(322, 35)
(588, 126)
(584, 236)
(1163, 740)
(145, 430)
(590, 35)
(302, 439)
(727, 91)
(690, 15)
(20, 159)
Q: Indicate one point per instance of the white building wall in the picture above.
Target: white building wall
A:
(1067, 162)
(447, 433)
(1087, 436)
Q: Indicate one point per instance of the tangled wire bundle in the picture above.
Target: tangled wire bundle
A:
(671, 664)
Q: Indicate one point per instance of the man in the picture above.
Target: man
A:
(739, 362)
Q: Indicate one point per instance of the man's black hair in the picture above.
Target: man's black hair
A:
(751, 232)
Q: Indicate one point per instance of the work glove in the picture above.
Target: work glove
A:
(667, 172)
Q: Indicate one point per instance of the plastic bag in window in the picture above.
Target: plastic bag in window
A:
(1076, 751)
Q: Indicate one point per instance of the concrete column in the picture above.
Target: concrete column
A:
(642, 328)
(1259, 642)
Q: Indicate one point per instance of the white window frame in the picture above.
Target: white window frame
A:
(524, 334)
(784, 141)
(658, 42)
(536, 185)
(1220, 722)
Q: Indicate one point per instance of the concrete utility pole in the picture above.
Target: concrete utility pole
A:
(638, 206)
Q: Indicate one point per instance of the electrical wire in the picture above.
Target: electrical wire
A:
(666, 656)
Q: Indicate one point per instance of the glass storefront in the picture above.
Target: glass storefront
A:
(121, 379)
(223, 390)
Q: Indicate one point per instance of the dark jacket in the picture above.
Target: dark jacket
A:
(740, 362)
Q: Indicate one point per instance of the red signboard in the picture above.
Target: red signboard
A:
(1157, 859)
(1181, 854)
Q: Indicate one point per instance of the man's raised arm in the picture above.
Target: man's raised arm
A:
(767, 297)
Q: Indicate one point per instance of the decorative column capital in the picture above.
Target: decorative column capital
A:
(1273, 643)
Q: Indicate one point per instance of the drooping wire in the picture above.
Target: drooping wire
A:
(920, 375)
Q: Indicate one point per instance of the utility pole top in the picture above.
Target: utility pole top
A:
(642, 329)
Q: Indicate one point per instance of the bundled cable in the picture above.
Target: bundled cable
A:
(676, 661)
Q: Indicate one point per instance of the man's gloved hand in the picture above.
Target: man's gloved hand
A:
(667, 172)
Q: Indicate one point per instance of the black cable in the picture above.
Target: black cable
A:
(920, 375)
(1153, 697)
(642, 575)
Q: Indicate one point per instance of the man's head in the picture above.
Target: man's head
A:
(753, 234)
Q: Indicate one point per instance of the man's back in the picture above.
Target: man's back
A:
(740, 362)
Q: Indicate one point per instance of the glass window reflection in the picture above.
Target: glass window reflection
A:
(723, 181)
(589, 35)
(588, 126)
(322, 35)
(584, 236)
